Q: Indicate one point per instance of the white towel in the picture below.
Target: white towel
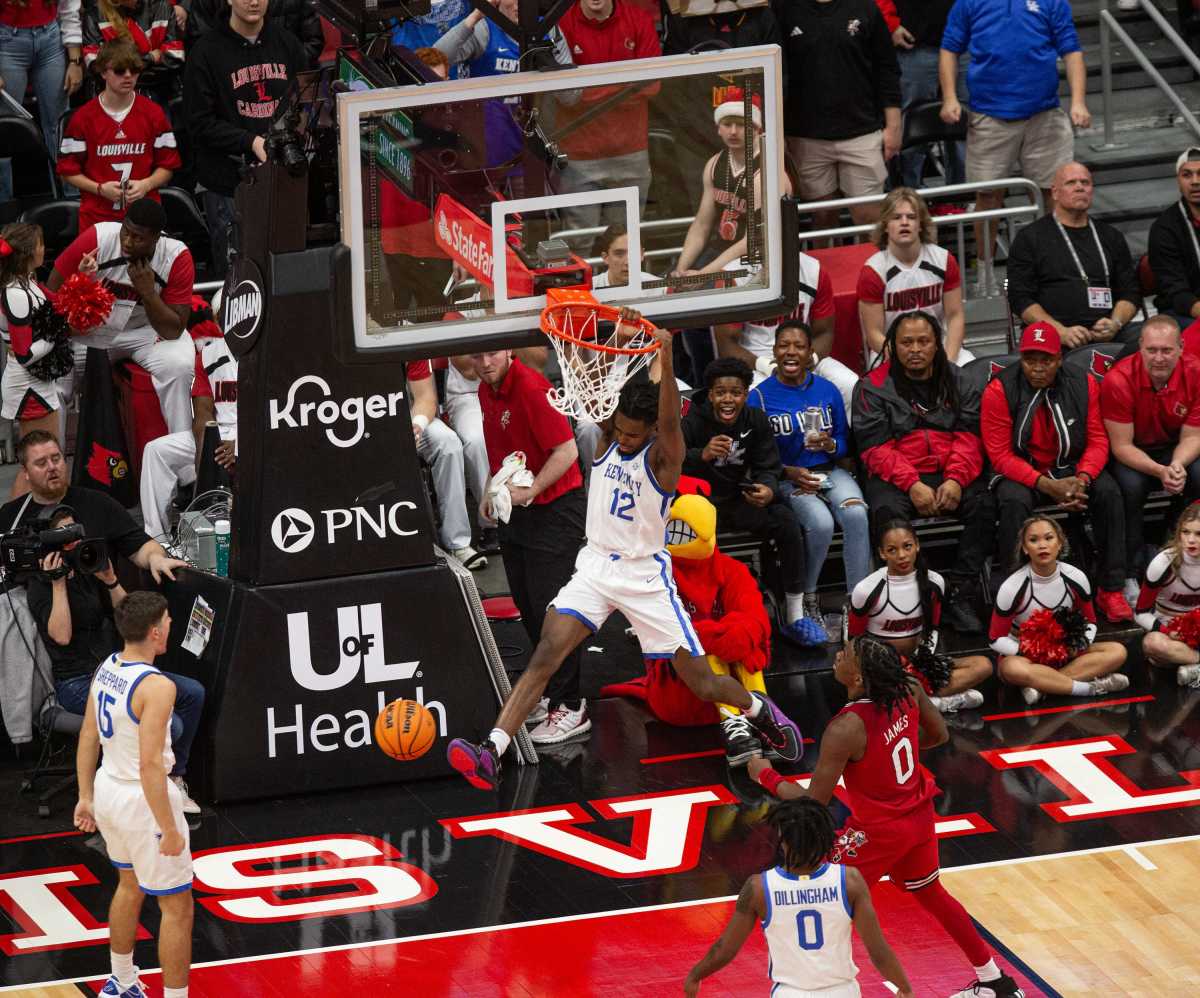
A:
(513, 471)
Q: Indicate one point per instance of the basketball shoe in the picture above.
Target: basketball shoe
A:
(1002, 987)
(967, 700)
(1189, 676)
(777, 729)
(562, 725)
(478, 763)
(112, 988)
(741, 743)
(1111, 683)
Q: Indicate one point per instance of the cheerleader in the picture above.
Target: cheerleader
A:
(1045, 583)
(901, 604)
(1170, 591)
(34, 336)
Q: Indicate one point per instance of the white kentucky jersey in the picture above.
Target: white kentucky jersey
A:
(759, 337)
(808, 929)
(128, 312)
(627, 508)
(112, 696)
(919, 287)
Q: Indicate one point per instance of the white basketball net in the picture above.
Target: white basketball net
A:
(592, 378)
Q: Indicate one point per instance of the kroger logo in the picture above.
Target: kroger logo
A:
(345, 422)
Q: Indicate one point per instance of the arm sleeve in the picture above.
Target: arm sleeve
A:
(887, 68)
(841, 428)
(1000, 632)
(463, 42)
(67, 262)
(881, 455)
(890, 17)
(1095, 455)
(550, 427)
(69, 23)
(1124, 277)
(201, 386)
(1062, 28)
(166, 149)
(692, 432)
(122, 533)
(172, 41)
(1167, 254)
(957, 33)
(953, 274)
(1022, 272)
(72, 151)
(92, 39)
(870, 286)
(204, 103)
(1116, 398)
(822, 306)
(996, 430)
(179, 282)
(765, 465)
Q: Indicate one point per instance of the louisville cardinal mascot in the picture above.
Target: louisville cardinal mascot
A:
(727, 612)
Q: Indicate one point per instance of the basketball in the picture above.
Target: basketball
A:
(405, 730)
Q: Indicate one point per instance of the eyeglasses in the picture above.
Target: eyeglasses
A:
(125, 69)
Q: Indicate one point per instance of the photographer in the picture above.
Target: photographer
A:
(73, 609)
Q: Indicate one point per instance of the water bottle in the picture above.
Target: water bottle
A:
(222, 536)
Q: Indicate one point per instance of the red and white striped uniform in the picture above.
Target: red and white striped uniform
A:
(1025, 592)
(919, 287)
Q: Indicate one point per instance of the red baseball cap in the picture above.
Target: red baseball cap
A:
(1040, 337)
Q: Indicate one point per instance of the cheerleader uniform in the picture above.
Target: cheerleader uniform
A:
(1168, 591)
(889, 606)
(25, 397)
(1025, 592)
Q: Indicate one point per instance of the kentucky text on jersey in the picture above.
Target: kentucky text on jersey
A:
(806, 895)
(914, 299)
(122, 149)
(900, 726)
(619, 474)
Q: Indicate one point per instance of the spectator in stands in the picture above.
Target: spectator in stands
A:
(1043, 432)
(1072, 271)
(119, 146)
(150, 26)
(739, 28)
(236, 76)
(483, 49)
(441, 448)
(1016, 114)
(173, 459)
(1042, 581)
(1150, 402)
(910, 273)
(610, 150)
(612, 246)
(916, 423)
(842, 106)
(298, 17)
(733, 448)
(1175, 247)
(151, 275)
(40, 43)
(544, 531)
(424, 30)
(31, 393)
(918, 38)
(820, 492)
(74, 616)
(461, 412)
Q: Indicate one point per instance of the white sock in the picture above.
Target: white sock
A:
(500, 739)
(756, 705)
(1079, 689)
(988, 972)
(175, 992)
(795, 606)
(123, 969)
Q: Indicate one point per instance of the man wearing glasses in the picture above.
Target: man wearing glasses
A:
(118, 147)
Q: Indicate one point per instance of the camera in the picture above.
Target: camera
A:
(285, 145)
(23, 549)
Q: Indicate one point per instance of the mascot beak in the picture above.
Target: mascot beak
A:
(692, 529)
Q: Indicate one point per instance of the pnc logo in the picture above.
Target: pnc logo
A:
(293, 530)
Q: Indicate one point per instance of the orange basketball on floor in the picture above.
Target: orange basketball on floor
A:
(405, 730)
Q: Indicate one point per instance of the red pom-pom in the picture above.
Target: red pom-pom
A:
(1041, 639)
(1185, 628)
(84, 302)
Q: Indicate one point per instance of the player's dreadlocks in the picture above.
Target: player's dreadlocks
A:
(805, 831)
(883, 673)
(639, 401)
(946, 393)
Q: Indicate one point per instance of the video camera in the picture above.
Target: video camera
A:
(23, 549)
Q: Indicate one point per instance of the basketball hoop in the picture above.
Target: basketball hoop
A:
(597, 352)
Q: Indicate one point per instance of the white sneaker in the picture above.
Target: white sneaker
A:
(1110, 684)
(967, 700)
(538, 714)
(471, 558)
(1131, 592)
(562, 725)
(189, 805)
(1030, 695)
(1188, 675)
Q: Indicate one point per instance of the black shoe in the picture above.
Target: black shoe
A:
(1003, 987)
(741, 743)
(959, 612)
(489, 540)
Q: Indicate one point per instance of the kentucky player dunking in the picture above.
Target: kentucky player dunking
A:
(872, 744)
(625, 566)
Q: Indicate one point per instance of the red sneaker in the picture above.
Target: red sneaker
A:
(1112, 604)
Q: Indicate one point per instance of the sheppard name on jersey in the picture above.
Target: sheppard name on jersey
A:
(913, 299)
(806, 895)
(112, 680)
(896, 729)
(122, 149)
(622, 476)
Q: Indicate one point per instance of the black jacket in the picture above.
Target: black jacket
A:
(300, 17)
(231, 89)
(754, 458)
(841, 68)
(1174, 260)
(1068, 401)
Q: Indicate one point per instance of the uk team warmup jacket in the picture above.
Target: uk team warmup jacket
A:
(900, 442)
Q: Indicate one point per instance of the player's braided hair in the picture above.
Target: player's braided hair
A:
(946, 395)
(924, 587)
(639, 401)
(883, 673)
(805, 831)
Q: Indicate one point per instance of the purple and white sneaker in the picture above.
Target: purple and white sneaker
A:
(778, 730)
(478, 763)
(112, 988)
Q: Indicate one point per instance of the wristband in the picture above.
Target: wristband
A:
(76, 61)
(115, 585)
(769, 779)
(764, 366)
(420, 421)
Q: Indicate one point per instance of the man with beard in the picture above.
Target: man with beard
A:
(916, 423)
(1175, 247)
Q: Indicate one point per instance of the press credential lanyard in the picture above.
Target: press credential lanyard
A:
(1097, 297)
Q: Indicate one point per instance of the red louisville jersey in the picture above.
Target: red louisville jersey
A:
(104, 148)
(889, 781)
